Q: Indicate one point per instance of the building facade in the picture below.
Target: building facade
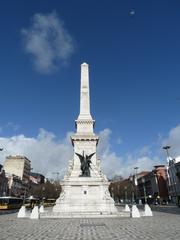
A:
(36, 178)
(16, 186)
(174, 180)
(19, 166)
(152, 187)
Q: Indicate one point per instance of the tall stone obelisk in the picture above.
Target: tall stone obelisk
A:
(85, 139)
(85, 96)
(84, 195)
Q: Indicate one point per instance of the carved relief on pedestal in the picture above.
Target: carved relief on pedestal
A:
(69, 170)
(106, 195)
(61, 197)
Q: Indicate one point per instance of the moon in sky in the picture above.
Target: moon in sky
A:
(132, 12)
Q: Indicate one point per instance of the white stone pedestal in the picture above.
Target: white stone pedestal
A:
(135, 212)
(147, 211)
(85, 196)
(127, 209)
(22, 212)
(35, 213)
(41, 209)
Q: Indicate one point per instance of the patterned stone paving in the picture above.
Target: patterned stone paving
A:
(164, 225)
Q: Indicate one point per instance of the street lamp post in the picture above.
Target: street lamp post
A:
(43, 195)
(157, 184)
(166, 148)
(118, 193)
(125, 194)
(132, 196)
(57, 175)
(24, 197)
(144, 190)
(136, 184)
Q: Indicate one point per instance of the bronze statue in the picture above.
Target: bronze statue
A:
(85, 164)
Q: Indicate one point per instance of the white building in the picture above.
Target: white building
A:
(19, 166)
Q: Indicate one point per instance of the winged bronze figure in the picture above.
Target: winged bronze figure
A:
(85, 164)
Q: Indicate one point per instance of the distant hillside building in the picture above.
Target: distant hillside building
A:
(19, 166)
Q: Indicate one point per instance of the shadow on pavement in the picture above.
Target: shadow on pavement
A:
(166, 209)
(2, 212)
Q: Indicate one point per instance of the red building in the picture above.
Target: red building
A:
(152, 187)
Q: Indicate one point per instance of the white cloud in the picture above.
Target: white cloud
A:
(113, 164)
(173, 139)
(110, 162)
(48, 42)
(119, 141)
(10, 126)
(144, 163)
(144, 151)
(48, 154)
(13, 126)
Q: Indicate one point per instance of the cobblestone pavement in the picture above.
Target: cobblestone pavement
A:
(164, 225)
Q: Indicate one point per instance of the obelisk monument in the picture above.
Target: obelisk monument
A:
(84, 187)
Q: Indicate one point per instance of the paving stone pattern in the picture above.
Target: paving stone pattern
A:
(162, 226)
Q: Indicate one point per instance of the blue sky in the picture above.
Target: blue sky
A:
(134, 69)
